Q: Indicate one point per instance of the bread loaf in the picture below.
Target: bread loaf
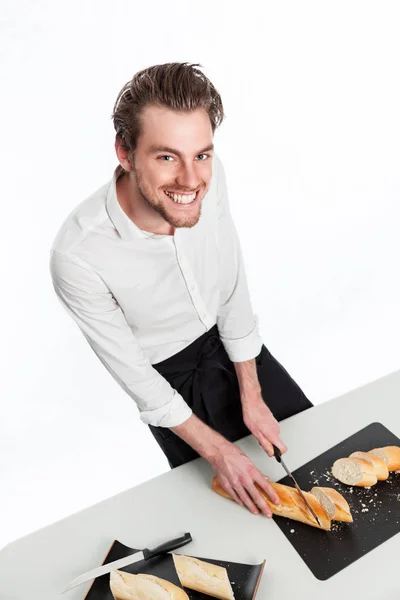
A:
(379, 465)
(333, 503)
(292, 504)
(125, 586)
(203, 577)
(366, 468)
(390, 455)
(354, 471)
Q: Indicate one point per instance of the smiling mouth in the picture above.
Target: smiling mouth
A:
(182, 198)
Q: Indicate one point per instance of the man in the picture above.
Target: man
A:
(150, 268)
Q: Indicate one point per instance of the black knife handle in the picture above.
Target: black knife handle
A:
(277, 453)
(167, 546)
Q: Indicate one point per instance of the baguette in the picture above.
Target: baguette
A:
(354, 471)
(390, 454)
(379, 465)
(292, 504)
(333, 503)
(126, 586)
(203, 577)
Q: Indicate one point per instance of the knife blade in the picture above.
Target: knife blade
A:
(278, 456)
(144, 554)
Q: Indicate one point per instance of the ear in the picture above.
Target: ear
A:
(123, 154)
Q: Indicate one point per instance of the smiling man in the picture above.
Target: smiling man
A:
(150, 269)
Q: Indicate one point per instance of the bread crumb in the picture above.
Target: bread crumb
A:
(292, 531)
(364, 510)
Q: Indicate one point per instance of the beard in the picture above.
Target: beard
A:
(161, 207)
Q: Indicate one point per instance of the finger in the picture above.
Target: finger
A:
(273, 438)
(258, 499)
(247, 501)
(233, 494)
(278, 443)
(267, 488)
(266, 445)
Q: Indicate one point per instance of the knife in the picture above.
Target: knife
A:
(278, 456)
(128, 560)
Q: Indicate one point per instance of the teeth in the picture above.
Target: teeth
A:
(182, 199)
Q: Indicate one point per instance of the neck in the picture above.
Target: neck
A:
(137, 209)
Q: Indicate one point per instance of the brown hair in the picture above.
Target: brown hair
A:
(178, 86)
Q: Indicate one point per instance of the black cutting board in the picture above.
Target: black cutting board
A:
(376, 511)
(244, 578)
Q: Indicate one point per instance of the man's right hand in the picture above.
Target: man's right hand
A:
(239, 476)
(235, 471)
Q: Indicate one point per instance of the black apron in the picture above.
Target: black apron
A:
(206, 378)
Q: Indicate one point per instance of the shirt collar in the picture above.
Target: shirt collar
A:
(123, 224)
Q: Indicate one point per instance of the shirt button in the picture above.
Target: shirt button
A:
(204, 316)
(193, 288)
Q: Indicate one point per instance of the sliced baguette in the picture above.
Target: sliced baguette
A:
(333, 503)
(292, 504)
(203, 577)
(390, 454)
(354, 471)
(126, 586)
(379, 465)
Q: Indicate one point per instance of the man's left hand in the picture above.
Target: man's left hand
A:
(259, 419)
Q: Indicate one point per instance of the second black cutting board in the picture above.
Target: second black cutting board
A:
(244, 578)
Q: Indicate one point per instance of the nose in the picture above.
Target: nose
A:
(187, 178)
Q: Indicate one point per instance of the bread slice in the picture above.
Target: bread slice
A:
(203, 577)
(126, 586)
(379, 465)
(354, 471)
(292, 504)
(390, 454)
(333, 503)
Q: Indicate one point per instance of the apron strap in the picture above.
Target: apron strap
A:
(204, 360)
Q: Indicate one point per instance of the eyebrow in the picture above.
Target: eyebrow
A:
(154, 149)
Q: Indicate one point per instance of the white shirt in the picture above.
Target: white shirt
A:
(139, 298)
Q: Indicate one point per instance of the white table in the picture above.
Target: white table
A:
(40, 565)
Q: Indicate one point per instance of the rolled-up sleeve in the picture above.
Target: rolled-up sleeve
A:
(90, 303)
(237, 324)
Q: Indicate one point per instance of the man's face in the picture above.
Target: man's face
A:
(172, 163)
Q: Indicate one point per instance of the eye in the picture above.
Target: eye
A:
(205, 155)
(165, 156)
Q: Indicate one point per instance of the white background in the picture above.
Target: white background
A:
(310, 146)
